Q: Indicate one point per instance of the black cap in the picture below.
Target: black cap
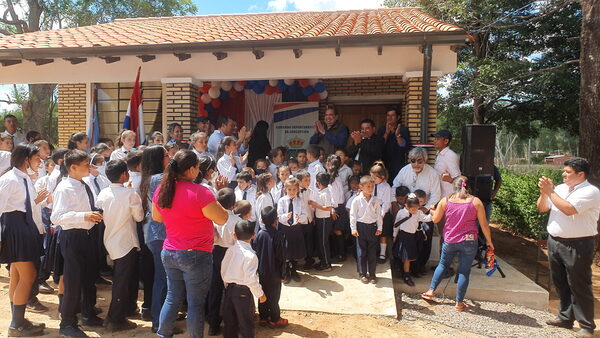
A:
(443, 134)
(202, 119)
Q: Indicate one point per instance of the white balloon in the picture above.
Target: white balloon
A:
(226, 85)
(289, 82)
(216, 84)
(238, 87)
(214, 92)
(313, 81)
(205, 98)
(323, 95)
(273, 83)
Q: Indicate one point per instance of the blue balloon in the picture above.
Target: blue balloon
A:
(281, 85)
(209, 108)
(249, 85)
(319, 87)
(224, 95)
(263, 82)
(258, 89)
(308, 90)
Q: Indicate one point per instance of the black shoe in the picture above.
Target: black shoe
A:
(381, 259)
(124, 326)
(560, 323)
(584, 333)
(146, 315)
(94, 321)
(30, 324)
(36, 307)
(364, 279)
(214, 330)
(324, 267)
(97, 310)
(373, 280)
(106, 272)
(102, 281)
(134, 314)
(71, 331)
(295, 276)
(46, 289)
(176, 330)
(25, 331)
(408, 280)
(287, 279)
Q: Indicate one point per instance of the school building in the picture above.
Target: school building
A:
(360, 61)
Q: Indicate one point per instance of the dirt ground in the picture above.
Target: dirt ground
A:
(519, 252)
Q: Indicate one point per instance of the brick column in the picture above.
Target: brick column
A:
(412, 113)
(71, 111)
(181, 106)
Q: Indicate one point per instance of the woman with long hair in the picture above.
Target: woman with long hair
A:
(259, 145)
(78, 141)
(462, 211)
(188, 211)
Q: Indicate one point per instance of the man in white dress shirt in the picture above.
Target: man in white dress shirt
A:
(446, 163)
(574, 208)
(11, 124)
(419, 175)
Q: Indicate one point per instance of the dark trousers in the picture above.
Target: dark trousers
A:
(324, 227)
(570, 264)
(35, 288)
(43, 273)
(215, 293)
(367, 244)
(269, 310)
(423, 248)
(146, 268)
(238, 312)
(79, 251)
(308, 230)
(124, 288)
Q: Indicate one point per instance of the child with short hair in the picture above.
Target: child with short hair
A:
(134, 165)
(423, 237)
(122, 209)
(322, 202)
(345, 172)
(356, 167)
(293, 164)
(243, 209)
(383, 191)
(264, 184)
(269, 246)
(96, 180)
(199, 144)
(277, 157)
(308, 228)
(245, 190)
(405, 227)
(339, 215)
(125, 142)
(353, 185)
(366, 224)
(302, 160)
(239, 274)
(312, 155)
(292, 212)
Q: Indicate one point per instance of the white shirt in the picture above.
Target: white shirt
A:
(344, 173)
(299, 210)
(263, 201)
(4, 160)
(313, 169)
(41, 183)
(412, 224)
(209, 186)
(427, 180)
(306, 196)
(250, 197)
(103, 183)
(278, 192)
(586, 199)
(240, 266)
(53, 182)
(365, 211)
(447, 162)
(135, 178)
(206, 153)
(336, 190)
(122, 209)
(384, 193)
(350, 196)
(226, 169)
(119, 154)
(17, 137)
(227, 230)
(71, 203)
(41, 171)
(323, 198)
(273, 169)
(13, 196)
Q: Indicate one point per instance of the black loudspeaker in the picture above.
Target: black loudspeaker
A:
(477, 157)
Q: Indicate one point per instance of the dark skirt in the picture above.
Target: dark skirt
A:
(294, 241)
(388, 225)
(21, 241)
(405, 247)
(54, 260)
(342, 223)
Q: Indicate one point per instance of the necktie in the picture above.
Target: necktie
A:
(302, 190)
(291, 209)
(244, 197)
(282, 191)
(90, 197)
(375, 189)
(96, 185)
(28, 210)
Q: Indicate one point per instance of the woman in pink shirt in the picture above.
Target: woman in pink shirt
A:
(188, 211)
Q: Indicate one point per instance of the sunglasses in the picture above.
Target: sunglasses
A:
(419, 161)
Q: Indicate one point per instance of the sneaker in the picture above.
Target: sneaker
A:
(36, 307)
(71, 331)
(46, 289)
(364, 279)
(134, 314)
(214, 330)
(93, 321)
(124, 326)
(30, 324)
(282, 322)
(381, 260)
(103, 281)
(324, 267)
(24, 331)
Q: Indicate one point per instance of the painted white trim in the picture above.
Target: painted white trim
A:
(365, 99)
(181, 80)
(408, 75)
(88, 105)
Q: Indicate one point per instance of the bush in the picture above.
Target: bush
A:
(515, 204)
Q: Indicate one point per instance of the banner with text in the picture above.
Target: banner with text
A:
(293, 123)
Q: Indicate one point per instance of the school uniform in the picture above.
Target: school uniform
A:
(262, 201)
(405, 228)
(78, 248)
(225, 240)
(239, 275)
(365, 218)
(313, 169)
(205, 183)
(308, 228)
(228, 170)
(199, 154)
(119, 154)
(423, 236)
(290, 226)
(383, 191)
(247, 195)
(97, 184)
(43, 272)
(337, 199)
(269, 247)
(122, 210)
(135, 180)
(4, 161)
(344, 173)
(324, 224)
(273, 168)
(277, 192)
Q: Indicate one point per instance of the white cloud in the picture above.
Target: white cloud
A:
(253, 8)
(322, 5)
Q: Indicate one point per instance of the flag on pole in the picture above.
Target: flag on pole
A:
(93, 131)
(134, 120)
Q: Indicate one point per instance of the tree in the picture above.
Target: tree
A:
(44, 15)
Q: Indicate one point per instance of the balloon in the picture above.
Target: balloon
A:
(313, 82)
(238, 87)
(249, 84)
(214, 92)
(263, 82)
(307, 91)
(206, 85)
(273, 83)
(233, 94)
(289, 82)
(216, 103)
(270, 90)
(203, 90)
(323, 95)
(202, 112)
(258, 89)
(314, 97)
(226, 85)
(281, 86)
(205, 98)
(304, 83)
(242, 83)
(209, 108)
(319, 87)
(223, 95)
(216, 84)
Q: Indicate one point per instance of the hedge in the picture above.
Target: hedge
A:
(515, 204)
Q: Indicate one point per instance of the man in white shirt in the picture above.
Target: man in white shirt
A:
(11, 124)
(574, 209)
(419, 175)
(446, 163)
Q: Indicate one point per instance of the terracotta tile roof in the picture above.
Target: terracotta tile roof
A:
(239, 27)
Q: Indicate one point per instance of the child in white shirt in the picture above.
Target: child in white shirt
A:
(245, 190)
(264, 185)
(312, 154)
(384, 192)
(292, 212)
(322, 202)
(308, 228)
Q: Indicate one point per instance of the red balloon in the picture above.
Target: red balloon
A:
(200, 104)
(304, 83)
(269, 90)
(216, 103)
(233, 94)
(202, 112)
(314, 97)
(242, 83)
(203, 90)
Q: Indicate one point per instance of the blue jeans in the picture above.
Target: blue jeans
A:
(159, 288)
(188, 272)
(467, 251)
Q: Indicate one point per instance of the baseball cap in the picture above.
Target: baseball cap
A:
(202, 119)
(443, 134)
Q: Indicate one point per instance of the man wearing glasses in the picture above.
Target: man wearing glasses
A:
(417, 174)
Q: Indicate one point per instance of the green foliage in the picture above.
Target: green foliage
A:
(515, 204)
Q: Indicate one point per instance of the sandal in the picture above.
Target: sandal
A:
(426, 296)
(461, 306)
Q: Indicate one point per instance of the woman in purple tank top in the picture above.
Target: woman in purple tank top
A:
(462, 211)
